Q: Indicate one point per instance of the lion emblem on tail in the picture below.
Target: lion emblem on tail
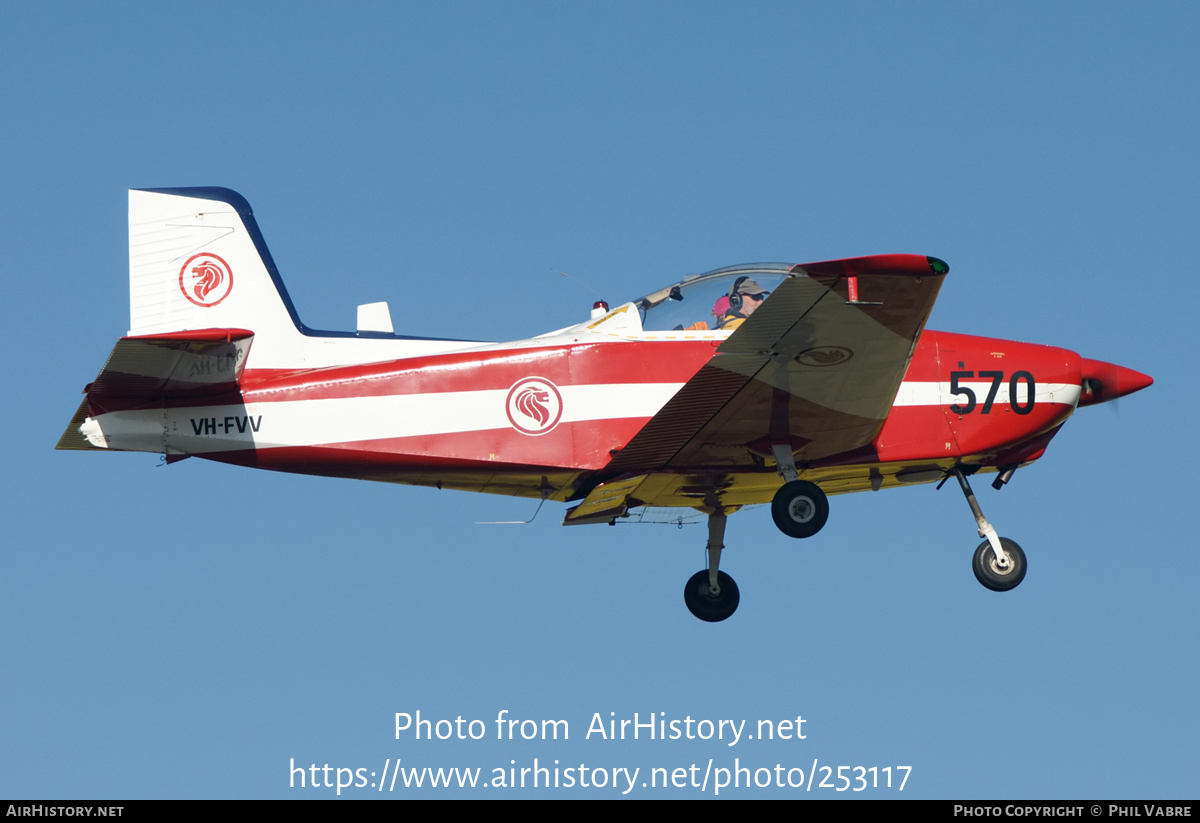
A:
(205, 280)
(208, 277)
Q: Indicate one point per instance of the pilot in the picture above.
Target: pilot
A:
(732, 309)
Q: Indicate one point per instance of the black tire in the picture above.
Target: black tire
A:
(994, 578)
(800, 508)
(706, 607)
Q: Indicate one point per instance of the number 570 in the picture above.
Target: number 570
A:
(997, 377)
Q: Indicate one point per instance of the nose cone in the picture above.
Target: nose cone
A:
(1105, 381)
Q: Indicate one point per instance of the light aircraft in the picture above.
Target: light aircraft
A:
(763, 383)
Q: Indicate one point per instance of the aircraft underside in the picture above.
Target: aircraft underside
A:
(695, 489)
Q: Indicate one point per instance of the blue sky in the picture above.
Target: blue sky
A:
(193, 630)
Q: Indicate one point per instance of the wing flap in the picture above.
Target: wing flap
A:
(604, 502)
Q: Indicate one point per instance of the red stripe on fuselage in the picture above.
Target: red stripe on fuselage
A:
(588, 363)
(580, 445)
(582, 364)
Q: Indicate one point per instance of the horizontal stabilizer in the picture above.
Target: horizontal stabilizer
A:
(188, 364)
(72, 439)
(150, 370)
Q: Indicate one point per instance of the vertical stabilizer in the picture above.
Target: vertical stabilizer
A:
(198, 261)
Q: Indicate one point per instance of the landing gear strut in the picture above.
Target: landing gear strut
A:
(710, 594)
(999, 563)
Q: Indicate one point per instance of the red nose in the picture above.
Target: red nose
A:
(1104, 381)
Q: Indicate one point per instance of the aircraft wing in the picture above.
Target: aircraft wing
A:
(817, 366)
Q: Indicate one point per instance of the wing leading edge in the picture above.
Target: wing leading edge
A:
(817, 366)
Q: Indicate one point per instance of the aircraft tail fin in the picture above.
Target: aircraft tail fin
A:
(197, 260)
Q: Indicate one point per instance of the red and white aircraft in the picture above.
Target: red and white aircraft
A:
(751, 384)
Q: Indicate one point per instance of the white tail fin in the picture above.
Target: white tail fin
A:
(198, 261)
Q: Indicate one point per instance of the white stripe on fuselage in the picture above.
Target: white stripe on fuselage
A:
(272, 424)
(931, 393)
(343, 420)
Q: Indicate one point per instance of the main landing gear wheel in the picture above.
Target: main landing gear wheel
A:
(800, 508)
(701, 602)
(990, 574)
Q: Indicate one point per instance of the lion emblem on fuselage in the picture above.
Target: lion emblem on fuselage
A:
(534, 406)
(532, 403)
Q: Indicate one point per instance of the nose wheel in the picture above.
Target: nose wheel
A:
(994, 576)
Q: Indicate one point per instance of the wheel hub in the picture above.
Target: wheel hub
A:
(998, 568)
(802, 509)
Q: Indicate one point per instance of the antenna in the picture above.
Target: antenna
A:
(580, 282)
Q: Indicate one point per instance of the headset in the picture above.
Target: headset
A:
(735, 297)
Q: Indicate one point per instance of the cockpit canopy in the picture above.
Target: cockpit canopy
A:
(697, 303)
